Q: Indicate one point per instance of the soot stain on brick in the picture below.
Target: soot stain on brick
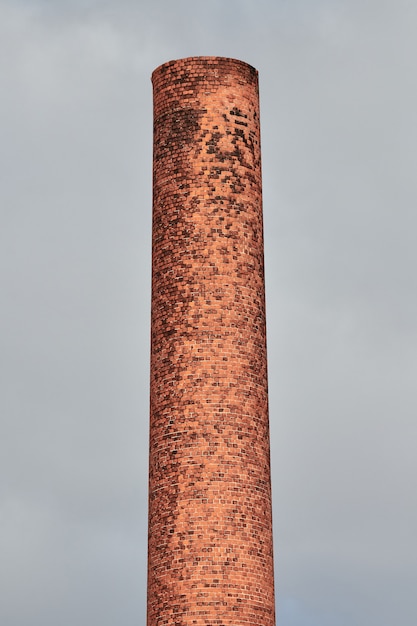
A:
(176, 129)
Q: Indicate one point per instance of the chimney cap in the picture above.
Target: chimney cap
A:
(204, 61)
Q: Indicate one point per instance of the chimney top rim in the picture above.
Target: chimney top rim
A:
(195, 60)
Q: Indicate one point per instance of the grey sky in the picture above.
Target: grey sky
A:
(338, 104)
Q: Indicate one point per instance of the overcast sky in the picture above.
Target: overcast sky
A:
(338, 87)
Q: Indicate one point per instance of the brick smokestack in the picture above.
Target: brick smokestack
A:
(210, 526)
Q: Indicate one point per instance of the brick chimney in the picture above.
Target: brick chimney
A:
(210, 558)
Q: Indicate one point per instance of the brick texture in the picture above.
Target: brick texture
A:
(210, 556)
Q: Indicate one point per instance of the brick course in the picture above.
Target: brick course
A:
(210, 556)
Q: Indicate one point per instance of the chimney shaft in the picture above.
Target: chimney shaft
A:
(210, 525)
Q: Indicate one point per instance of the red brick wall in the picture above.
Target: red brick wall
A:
(210, 527)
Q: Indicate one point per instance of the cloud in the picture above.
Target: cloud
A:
(338, 96)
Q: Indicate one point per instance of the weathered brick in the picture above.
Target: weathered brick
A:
(210, 555)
